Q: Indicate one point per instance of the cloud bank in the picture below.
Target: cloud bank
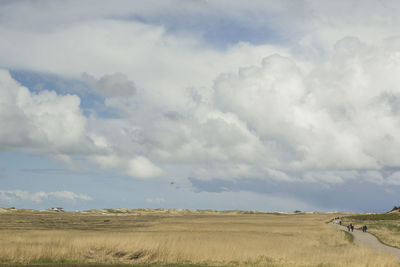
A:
(315, 102)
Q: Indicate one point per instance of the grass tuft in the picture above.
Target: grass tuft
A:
(349, 237)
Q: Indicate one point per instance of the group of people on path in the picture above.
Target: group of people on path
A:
(337, 220)
(350, 227)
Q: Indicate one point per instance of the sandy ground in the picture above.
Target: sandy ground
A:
(369, 240)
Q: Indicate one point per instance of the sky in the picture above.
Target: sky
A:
(196, 104)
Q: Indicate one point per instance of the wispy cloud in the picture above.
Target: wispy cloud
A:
(157, 200)
(11, 196)
(50, 171)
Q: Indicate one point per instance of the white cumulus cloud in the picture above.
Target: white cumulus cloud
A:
(141, 167)
(43, 121)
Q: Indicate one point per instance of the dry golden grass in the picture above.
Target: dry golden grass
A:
(215, 239)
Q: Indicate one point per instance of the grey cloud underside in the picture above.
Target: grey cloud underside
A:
(355, 195)
(111, 85)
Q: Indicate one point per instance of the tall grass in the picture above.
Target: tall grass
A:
(242, 240)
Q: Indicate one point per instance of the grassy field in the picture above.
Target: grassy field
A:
(180, 238)
(386, 227)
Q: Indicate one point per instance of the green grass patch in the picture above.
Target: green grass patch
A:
(374, 217)
(349, 237)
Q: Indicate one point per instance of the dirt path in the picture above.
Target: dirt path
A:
(370, 240)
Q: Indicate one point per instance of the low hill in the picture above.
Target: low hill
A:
(395, 210)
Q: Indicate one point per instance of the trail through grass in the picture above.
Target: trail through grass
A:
(386, 227)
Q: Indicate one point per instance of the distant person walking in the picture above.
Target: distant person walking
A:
(352, 227)
(348, 228)
(364, 228)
